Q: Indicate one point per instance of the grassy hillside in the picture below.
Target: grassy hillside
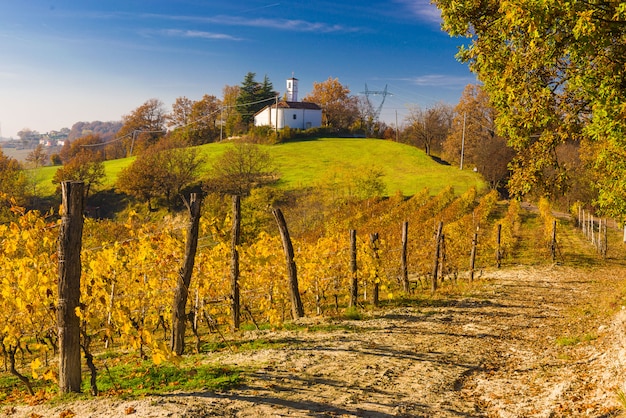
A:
(306, 163)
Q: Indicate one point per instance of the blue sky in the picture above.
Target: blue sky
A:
(64, 61)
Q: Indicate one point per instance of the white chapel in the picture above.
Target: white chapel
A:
(290, 112)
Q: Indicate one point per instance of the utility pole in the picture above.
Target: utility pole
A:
(397, 125)
(276, 125)
(132, 144)
(463, 142)
(221, 123)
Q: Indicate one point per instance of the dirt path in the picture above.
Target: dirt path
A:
(525, 342)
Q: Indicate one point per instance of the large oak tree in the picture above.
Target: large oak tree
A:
(142, 128)
(162, 172)
(196, 122)
(339, 109)
(556, 73)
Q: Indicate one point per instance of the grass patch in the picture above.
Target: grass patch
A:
(138, 379)
(352, 313)
(568, 341)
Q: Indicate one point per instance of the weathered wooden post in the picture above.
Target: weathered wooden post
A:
(297, 310)
(69, 246)
(354, 287)
(234, 263)
(179, 317)
(375, 292)
(498, 246)
(605, 240)
(473, 256)
(436, 261)
(403, 257)
(553, 241)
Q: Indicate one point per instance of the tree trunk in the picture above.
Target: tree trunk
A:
(179, 317)
(297, 310)
(70, 241)
(354, 288)
(234, 263)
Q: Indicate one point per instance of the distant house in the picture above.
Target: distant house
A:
(290, 112)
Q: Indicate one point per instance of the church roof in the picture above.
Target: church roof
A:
(293, 105)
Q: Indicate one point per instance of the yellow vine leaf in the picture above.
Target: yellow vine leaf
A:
(34, 365)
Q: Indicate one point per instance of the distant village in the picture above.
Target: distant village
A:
(30, 139)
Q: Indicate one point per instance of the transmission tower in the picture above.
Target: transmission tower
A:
(375, 113)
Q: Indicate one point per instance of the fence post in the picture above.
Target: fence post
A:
(403, 257)
(354, 287)
(234, 262)
(473, 256)
(553, 242)
(374, 244)
(179, 317)
(69, 246)
(297, 310)
(498, 247)
(436, 261)
(605, 241)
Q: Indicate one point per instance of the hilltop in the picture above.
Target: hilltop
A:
(404, 168)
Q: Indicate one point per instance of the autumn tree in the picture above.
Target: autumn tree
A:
(82, 161)
(339, 109)
(28, 135)
(37, 157)
(232, 123)
(84, 166)
(106, 130)
(141, 128)
(242, 167)
(472, 141)
(428, 128)
(195, 122)
(253, 96)
(13, 183)
(162, 172)
(90, 144)
(555, 73)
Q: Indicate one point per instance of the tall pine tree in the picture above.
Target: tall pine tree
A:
(254, 96)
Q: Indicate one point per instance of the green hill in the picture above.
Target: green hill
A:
(306, 163)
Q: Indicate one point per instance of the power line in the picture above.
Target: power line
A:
(221, 109)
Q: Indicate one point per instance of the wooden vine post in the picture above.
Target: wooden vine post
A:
(354, 287)
(297, 310)
(473, 256)
(179, 317)
(403, 257)
(234, 263)
(376, 291)
(69, 246)
(499, 246)
(553, 241)
(437, 253)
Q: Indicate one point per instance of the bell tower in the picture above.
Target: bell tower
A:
(292, 89)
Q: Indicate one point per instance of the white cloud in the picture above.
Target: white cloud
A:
(295, 25)
(422, 9)
(199, 34)
(283, 24)
(441, 80)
